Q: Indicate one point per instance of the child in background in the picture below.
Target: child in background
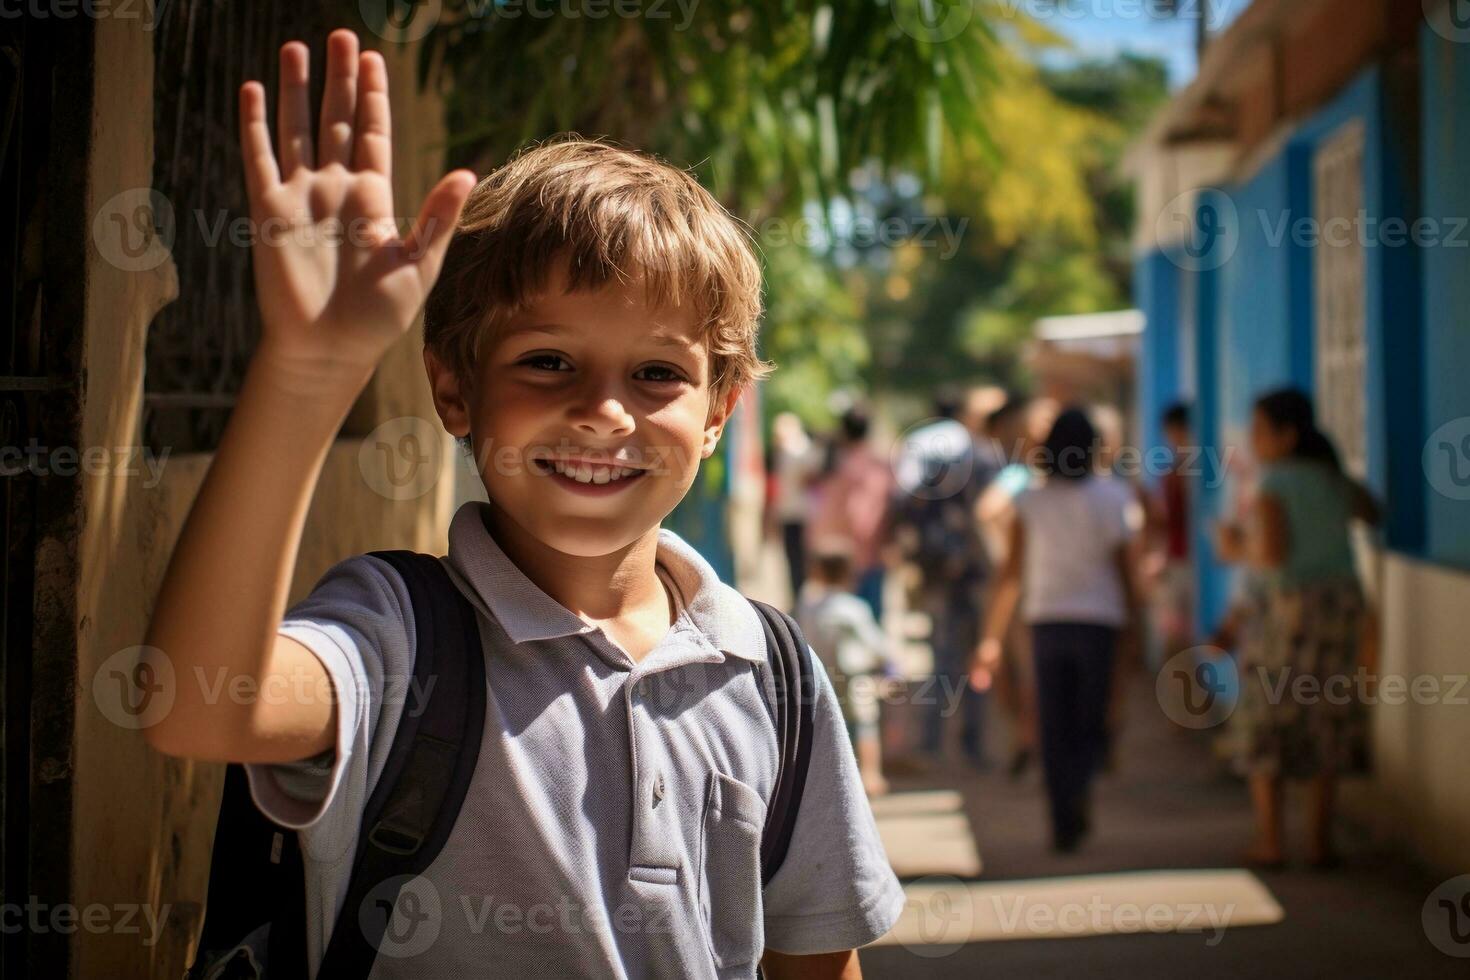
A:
(852, 646)
(1171, 564)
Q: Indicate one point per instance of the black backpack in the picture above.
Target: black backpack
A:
(255, 924)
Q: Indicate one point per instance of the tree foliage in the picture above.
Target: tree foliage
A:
(802, 114)
(771, 102)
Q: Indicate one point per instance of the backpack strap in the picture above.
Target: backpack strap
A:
(791, 694)
(417, 798)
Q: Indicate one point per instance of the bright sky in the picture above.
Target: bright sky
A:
(1105, 28)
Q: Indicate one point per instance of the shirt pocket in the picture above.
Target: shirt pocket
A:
(730, 872)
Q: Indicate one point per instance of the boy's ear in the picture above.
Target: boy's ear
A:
(716, 425)
(449, 400)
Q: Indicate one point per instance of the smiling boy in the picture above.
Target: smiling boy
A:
(593, 326)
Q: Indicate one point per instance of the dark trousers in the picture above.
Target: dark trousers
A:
(955, 621)
(1074, 667)
(793, 539)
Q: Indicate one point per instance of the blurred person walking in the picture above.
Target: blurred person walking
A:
(1068, 557)
(1016, 429)
(981, 402)
(1297, 535)
(796, 460)
(943, 469)
(1170, 566)
(853, 505)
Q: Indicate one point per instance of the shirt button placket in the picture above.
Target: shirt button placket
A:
(638, 692)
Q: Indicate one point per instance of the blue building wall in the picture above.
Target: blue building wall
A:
(702, 516)
(1156, 283)
(1260, 298)
(1214, 209)
(1249, 310)
(1445, 85)
(1392, 291)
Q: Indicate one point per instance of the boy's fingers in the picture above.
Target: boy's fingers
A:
(339, 100)
(293, 110)
(261, 173)
(373, 141)
(431, 233)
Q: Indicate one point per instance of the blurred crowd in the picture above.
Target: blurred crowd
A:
(1050, 575)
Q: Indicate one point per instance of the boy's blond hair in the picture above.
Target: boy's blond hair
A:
(614, 215)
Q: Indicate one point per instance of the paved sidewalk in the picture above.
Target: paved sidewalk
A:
(1167, 806)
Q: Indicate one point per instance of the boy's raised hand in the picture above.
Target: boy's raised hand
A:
(336, 284)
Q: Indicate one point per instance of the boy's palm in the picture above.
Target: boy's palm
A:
(337, 285)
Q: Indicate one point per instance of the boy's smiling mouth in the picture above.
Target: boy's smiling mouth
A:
(587, 477)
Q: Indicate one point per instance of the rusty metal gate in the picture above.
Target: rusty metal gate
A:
(45, 102)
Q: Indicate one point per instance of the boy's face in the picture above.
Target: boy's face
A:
(598, 385)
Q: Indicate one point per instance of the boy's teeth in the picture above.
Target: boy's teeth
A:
(587, 473)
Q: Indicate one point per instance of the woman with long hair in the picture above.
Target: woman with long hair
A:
(1298, 706)
(1068, 556)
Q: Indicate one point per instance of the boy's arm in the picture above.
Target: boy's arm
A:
(836, 890)
(331, 306)
(818, 966)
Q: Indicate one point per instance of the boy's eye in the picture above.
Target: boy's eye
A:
(547, 361)
(661, 373)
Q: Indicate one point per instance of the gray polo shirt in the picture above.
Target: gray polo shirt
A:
(612, 828)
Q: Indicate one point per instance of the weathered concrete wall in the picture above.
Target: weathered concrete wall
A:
(1419, 797)
(144, 824)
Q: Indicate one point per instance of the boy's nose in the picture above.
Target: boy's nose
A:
(602, 415)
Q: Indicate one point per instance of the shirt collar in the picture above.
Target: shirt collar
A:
(724, 617)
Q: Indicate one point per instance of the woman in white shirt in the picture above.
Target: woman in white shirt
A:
(1069, 558)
